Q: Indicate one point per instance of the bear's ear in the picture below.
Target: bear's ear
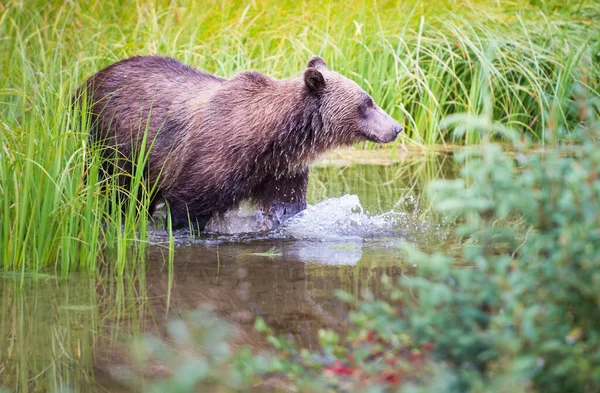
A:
(317, 62)
(314, 79)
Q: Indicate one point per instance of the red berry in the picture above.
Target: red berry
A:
(391, 378)
(339, 369)
(370, 336)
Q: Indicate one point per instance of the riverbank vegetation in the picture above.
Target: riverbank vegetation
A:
(420, 62)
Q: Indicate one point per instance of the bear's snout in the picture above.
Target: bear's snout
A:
(398, 129)
(381, 127)
(389, 135)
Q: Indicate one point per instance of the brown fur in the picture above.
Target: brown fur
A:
(216, 142)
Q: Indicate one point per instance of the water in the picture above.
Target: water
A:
(359, 216)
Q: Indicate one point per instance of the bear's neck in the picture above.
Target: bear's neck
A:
(299, 135)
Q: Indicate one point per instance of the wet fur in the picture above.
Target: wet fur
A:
(215, 141)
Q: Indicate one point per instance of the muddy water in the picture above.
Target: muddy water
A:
(72, 332)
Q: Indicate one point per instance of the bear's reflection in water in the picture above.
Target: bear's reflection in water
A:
(293, 297)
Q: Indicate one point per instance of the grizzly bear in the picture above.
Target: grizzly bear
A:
(214, 142)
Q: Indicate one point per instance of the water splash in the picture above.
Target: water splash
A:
(336, 231)
(341, 222)
(337, 218)
(330, 219)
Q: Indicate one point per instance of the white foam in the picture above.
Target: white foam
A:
(330, 220)
(334, 220)
(337, 218)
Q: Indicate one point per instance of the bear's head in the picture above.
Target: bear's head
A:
(347, 110)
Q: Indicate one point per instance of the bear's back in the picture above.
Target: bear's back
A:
(145, 91)
(143, 77)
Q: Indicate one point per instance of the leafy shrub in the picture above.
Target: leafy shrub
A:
(525, 308)
(196, 355)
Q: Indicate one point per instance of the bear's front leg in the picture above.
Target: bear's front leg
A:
(281, 198)
(184, 216)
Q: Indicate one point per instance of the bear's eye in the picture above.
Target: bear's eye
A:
(365, 105)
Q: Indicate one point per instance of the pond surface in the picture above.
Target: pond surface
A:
(72, 332)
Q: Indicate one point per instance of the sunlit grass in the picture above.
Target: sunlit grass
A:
(419, 61)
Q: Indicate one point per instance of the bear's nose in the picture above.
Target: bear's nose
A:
(398, 129)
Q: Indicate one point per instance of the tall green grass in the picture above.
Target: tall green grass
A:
(421, 60)
(55, 210)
